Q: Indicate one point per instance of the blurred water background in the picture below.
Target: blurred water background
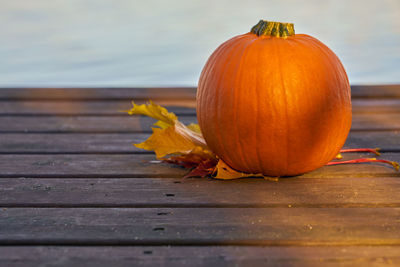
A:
(166, 43)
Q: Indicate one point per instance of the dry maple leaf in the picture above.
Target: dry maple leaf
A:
(173, 142)
(172, 137)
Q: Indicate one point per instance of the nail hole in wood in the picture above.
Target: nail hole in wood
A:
(158, 229)
(163, 213)
(177, 182)
(170, 195)
(147, 252)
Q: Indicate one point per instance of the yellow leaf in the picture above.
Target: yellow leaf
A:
(223, 171)
(194, 127)
(173, 137)
(165, 118)
(167, 141)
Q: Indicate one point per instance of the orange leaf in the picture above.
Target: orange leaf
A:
(223, 171)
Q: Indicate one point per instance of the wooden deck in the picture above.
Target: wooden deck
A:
(74, 191)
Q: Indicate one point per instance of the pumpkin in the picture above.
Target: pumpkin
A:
(274, 102)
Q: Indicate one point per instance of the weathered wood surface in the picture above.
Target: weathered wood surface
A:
(120, 143)
(357, 91)
(139, 165)
(89, 94)
(98, 108)
(115, 124)
(200, 226)
(22, 256)
(375, 105)
(196, 192)
(178, 106)
(375, 91)
(63, 124)
(70, 176)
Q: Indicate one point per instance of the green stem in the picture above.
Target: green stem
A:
(272, 28)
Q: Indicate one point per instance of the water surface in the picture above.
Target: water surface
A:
(166, 43)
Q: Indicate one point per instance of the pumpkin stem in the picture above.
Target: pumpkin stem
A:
(272, 28)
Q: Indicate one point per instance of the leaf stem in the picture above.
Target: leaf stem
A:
(370, 150)
(363, 160)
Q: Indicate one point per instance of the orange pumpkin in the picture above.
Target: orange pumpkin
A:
(274, 102)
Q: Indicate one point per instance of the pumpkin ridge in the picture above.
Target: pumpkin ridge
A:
(240, 92)
(303, 42)
(217, 129)
(257, 134)
(280, 70)
(209, 70)
(338, 69)
(238, 157)
(210, 67)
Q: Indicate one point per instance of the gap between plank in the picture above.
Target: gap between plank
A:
(89, 115)
(129, 176)
(194, 242)
(3, 152)
(195, 206)
(149, 131)
(117, 152)
(93, 99)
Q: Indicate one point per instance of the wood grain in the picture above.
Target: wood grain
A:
(199, 256)
(358, 91)
(93, 108)
(68, 124)
(372, 105)
(197, 192)
(103, 93)
(138, 165)
(64, 143)
(375, 91)
(116, 124)
(202, 226)
(179, 107)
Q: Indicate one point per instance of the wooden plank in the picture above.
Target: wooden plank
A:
(199, 256)
(358, 91)
(185, 106)
(71, 124)
(200, 226)
(97, 93)
(375, 91)
(117, 124)
(381, 121)
(71, 143)
(196, 192)
(372, 105)
(122, 166)
(388, 141)
(99, 108)
(86, 166)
